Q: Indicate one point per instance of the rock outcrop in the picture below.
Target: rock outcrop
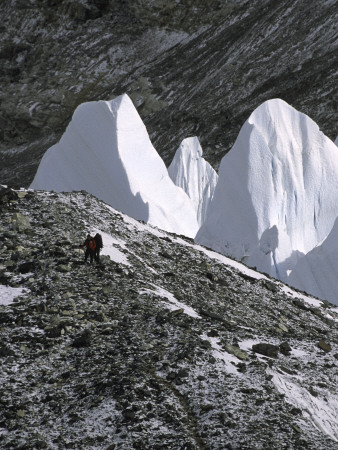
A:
(193, 69)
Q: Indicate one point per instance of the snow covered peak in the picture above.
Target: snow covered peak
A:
(336, 141)
(277, 193)
(106, 151)
(190, 171)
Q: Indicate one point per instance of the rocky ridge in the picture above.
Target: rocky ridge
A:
(191, 68)
(162, 344)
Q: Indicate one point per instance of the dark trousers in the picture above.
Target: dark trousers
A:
(97, 254)
(90, 253)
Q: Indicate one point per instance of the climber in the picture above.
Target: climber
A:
(90, 245)
(99, 246)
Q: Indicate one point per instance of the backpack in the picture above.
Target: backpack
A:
(92, 244)
(98, 240)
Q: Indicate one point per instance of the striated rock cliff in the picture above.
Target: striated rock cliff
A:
(191, 68)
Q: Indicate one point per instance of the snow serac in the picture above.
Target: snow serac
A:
(277, 194)
(190, 171)
(106, 151)
(317, 271)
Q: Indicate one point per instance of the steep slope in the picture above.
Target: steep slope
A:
(190, 171)
(192, 68)
(275, 198)
(106, 151)
(163, 345)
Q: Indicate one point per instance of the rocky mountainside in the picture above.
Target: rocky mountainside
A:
(164, 344)
(191, 67)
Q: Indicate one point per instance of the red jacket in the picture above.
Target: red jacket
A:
(90, 243)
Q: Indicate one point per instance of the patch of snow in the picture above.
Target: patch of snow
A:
(299, 353)
(96, 417)
(308, 299)
(174, 302)
(36, 330)
(321, 411)
(110, 249)
(8, 294)
(248, 343)
(218, 353)
(3, 431)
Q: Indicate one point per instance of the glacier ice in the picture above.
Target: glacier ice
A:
(317, 271)
(276, 197)
(190, 171)
(106, 151)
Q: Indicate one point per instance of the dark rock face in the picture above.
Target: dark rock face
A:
(191, 68)
(121, 355)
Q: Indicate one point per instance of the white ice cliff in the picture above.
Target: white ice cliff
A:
(106, 151)
(190, 171)
(317, 271)
(277, 193)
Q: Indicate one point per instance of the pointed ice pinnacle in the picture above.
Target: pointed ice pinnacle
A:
(277, 193)
(190, 171)
(106, 151)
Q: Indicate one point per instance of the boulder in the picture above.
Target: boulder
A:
(324, 346)
(266, 349)
(20, 222)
